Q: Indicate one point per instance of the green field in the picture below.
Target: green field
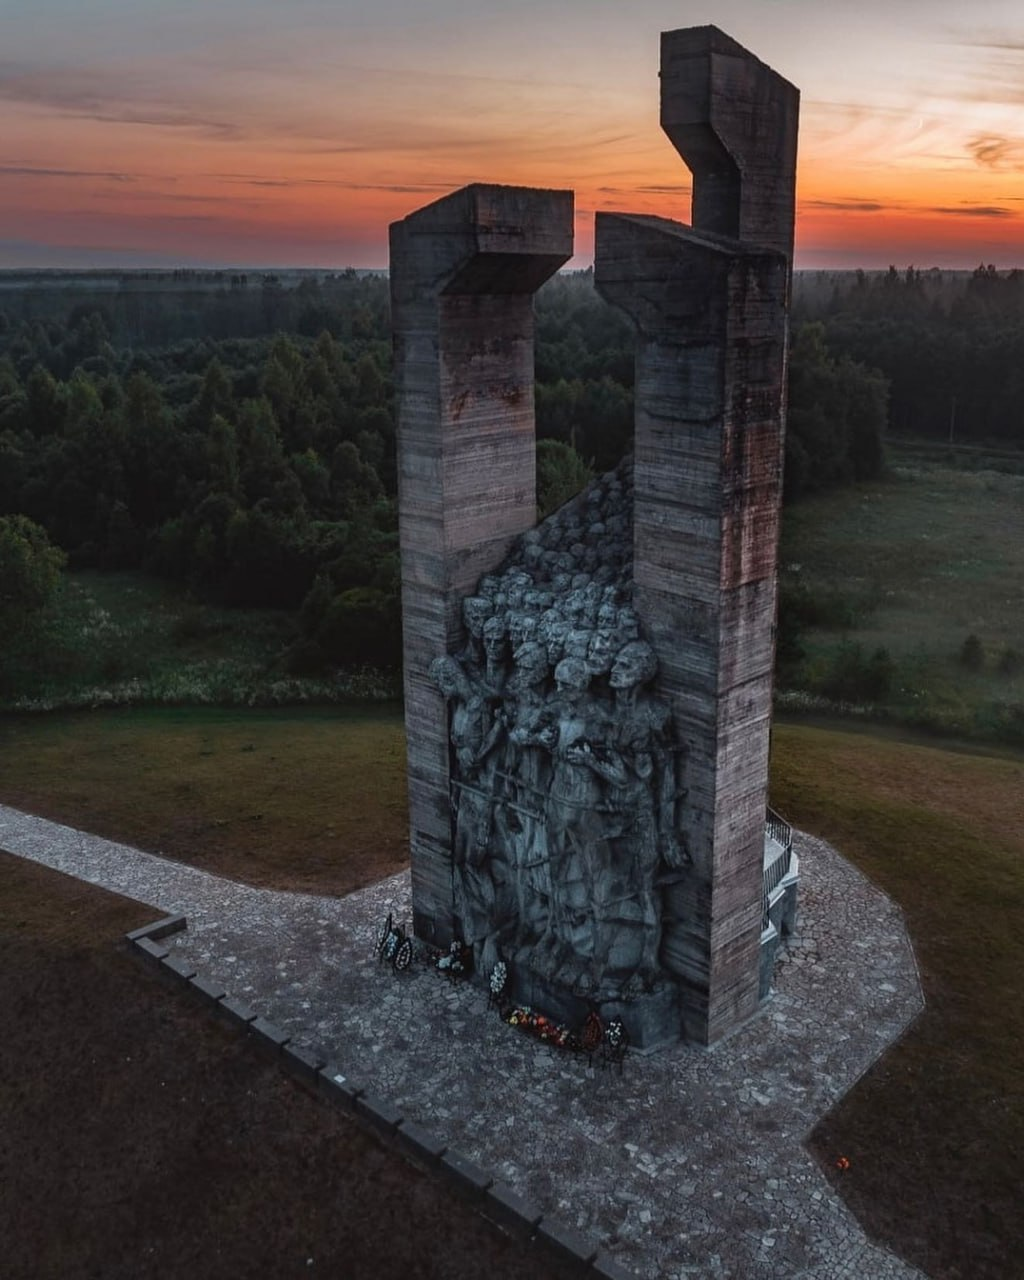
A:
(915, 565)
(298, 799)
(125, 638)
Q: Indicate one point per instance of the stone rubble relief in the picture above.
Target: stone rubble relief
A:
(588, 701)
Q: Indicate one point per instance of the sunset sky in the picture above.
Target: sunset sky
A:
(291, 132)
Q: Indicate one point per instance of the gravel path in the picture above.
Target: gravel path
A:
(690, 1163)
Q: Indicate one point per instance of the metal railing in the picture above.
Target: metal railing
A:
(778, 829)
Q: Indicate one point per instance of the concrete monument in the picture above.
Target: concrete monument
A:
(463, 274)
(588, 701)
(710, 305)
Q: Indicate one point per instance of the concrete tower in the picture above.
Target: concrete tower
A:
(463, 273)
(710, 304)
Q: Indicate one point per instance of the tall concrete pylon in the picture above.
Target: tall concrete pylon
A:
(463, 273)
(710, 304)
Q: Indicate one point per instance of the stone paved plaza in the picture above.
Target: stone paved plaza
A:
(691, 1163)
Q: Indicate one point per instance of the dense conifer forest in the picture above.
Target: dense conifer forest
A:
(236, 432)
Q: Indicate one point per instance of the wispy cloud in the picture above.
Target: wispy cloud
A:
(117, 96)
(993, 75)
(851, 205)
(340, 184)
(973, 211)
(1011, 43)
(30, 171)
(997, 151)
(666, 189)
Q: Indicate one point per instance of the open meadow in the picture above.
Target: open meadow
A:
(314, 800)
(913, 566)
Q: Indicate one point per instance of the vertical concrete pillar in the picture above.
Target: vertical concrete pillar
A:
(463, 273)
(710, 310)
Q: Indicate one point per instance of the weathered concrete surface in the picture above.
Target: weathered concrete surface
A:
(463, 272)
(734, 121)
(691, 1163)
(710, 312)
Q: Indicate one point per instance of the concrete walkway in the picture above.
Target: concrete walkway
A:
(691, 1163)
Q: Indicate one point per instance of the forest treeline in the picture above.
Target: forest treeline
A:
(950, 344)
(237, 432)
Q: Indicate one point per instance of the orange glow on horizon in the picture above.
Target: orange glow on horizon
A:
(305, 162)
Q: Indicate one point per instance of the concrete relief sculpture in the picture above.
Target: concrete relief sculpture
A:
(564, 768)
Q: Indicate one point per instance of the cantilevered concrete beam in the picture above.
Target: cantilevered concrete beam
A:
(734, 122)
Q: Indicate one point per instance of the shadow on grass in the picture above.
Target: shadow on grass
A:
(143, 1139)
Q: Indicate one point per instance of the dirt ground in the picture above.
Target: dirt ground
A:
(141, 1138)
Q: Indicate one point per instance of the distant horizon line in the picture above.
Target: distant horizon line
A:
(279, 269)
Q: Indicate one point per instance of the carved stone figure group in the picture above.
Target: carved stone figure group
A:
(564, 768)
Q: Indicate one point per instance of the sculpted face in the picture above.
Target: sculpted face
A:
(592, 596)
(554, 640)
(608, 616)
(495, 637)
(521, 626)
(577, 643)
(635, 665)
(575, 604)
(531, 661)
(629, 624)
(604, 642)
(572, 676)
(446, 674)
(475, 612)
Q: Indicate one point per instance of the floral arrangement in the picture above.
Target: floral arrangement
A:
(498, 979)
(542, 1027)
(456, 960)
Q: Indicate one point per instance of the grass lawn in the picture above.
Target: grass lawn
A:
(315, 800)
(143, 1140)
(297, 799)
(934, 1132)
(920, 561)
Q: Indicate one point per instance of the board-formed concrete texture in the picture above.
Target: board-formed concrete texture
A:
(463, 273)
(710, 306)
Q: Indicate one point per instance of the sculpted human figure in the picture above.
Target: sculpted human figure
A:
(526, 767)
(604, 644)
(577, 643)
(521, 627)
(475, 612)
(574, 820)
(629, 624)
(645, 806)
(535, 602)
(551, 633)
(496, 654)
(481, 882)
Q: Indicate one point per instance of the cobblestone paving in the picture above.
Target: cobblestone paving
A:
(689, 1163)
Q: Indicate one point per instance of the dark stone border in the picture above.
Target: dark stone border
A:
(494, 1199)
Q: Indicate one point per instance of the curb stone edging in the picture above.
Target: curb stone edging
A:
(492, 1198)
(162, 928)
